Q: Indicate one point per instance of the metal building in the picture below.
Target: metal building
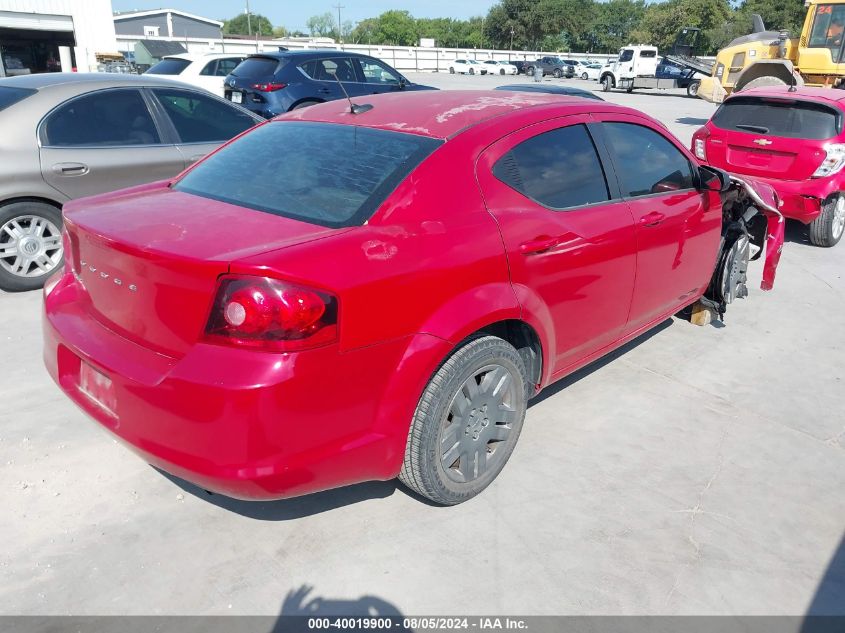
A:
(39, 36)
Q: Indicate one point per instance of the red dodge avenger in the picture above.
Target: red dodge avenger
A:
(348, 294)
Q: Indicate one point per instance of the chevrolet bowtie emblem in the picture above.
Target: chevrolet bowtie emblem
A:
(762, 141)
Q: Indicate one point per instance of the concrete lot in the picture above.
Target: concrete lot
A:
(697, 471)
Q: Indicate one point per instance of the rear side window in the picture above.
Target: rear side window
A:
(786, 118)
(328, 174)
(201, 119)
(105, 118)
(256, 67)
(168, 67)
(647, 162)
(558, 169)
(10, 96)
(648, 54)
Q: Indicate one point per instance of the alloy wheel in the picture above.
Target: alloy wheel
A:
(838, 225)
(30, 246)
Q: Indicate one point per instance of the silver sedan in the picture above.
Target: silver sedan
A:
(68, 135)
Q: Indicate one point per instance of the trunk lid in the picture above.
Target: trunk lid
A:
(148, 258)
(772, 137)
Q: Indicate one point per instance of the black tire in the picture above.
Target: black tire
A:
(435, 421)
(826, 230)
(472, 71)
(692, 88)
(22, 212)
(585, 76)
(529, 71)
(629, 90)
(305, 104)
(606, 83)
(558, 73)
(451, 70)
(501, 71)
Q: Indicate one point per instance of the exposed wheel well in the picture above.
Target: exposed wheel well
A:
(612, 79)
(523, 337)
(306, 100)
(779, 69)
(53, 203)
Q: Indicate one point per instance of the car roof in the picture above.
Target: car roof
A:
(443, 113)
(47, 80)
(311, 52)
(807, 93)
(197, 57)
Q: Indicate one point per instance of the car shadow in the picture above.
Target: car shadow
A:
(582, 373)
(691, 120)
(796, 233)
(299, 607)
(297, 507)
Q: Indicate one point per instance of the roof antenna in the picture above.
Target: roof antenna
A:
(354, 108)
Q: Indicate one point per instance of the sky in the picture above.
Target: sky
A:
(292, 14)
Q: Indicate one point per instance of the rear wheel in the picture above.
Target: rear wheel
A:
(451, 70)
(606, 83)
(558, 73)
(30, 244)
(529, 70)
(763, 82)
(827, 229)
(304, 104)
(692, 88)
(501, 71)
(472, 71)
(467, 422)
(584, 76)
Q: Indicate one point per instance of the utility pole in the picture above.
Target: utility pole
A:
(339, 6)
(511, 36)
(248, 22)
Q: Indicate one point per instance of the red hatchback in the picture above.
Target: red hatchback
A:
(795, 141)
(337, 297)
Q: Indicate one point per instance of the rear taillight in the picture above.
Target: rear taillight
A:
(833, 162)
(271, 315)
(700, 150)
(268, 87)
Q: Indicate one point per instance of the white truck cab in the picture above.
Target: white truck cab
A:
(633, 62)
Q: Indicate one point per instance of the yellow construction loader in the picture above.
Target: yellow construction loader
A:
(772, 58)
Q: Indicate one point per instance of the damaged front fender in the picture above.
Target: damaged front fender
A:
(751, 225)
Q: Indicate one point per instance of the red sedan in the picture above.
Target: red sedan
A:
(793, 140)
(343, 296)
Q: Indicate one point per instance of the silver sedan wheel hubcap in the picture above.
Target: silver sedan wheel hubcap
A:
(30, 246)
(478, 423)
(839, 218)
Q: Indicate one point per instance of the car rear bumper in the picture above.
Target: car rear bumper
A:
(802, 199)
(251, 425)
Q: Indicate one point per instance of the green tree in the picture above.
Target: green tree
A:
(661, 22)
(321, 25)
(612, 25)
(239, 25)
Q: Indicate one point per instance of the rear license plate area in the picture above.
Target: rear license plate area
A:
(236, 97)
(97, 387)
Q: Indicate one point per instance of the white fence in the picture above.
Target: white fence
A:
(403, 58)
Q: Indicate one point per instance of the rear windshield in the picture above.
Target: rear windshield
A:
(168, 67)
(328, 174)
(10, 96)
(256, 67)
(786, 118)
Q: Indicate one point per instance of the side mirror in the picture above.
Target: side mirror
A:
(402, 83)
(713, 179)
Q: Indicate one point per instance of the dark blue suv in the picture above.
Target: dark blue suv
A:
(273, 83)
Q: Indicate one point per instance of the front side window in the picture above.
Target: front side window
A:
(626, 55)
(342, 184)
(559, 169)
(377, 73)
(102, 119)
(828, 25)
(201, 119)
(647, 162)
